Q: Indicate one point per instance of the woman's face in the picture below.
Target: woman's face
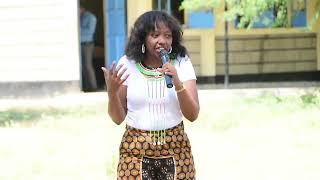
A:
(160, 38)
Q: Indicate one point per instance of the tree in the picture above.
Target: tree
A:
(249, 11)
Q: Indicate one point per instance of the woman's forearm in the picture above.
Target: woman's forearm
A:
(188, 101)
(189, 107)
(115, 109)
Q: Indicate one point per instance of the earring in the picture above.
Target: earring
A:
(143, 49)
(170, 50)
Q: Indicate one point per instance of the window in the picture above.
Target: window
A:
(200, 19)
(171, 7)
(298, 18)
(197, 19)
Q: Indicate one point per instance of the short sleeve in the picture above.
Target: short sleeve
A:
(185, 69)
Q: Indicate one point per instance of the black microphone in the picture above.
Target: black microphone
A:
(165, 58)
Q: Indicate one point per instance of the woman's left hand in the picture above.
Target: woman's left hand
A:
(170, 70)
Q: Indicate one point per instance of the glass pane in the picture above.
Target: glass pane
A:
(159, 5)
(200, 19)
(299, 18)
(173, 6)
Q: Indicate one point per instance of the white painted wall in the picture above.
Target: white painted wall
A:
(39, 40)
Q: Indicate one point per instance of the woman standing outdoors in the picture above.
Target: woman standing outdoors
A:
(154, 144)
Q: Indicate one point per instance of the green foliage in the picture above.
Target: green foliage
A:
(316, 15)
(310, 99)
(18, 115)
(247, 11)
(28, 115)
(307, 100)
(281, 19)
(196, 5)
(250, 11)
(266, 108)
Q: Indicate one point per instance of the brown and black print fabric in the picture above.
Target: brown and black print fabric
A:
(140, 159)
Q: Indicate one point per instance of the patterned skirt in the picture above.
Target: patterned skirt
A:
(140, 158)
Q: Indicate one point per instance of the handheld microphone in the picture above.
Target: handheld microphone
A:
(165, 58)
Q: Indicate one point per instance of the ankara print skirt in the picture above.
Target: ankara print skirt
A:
(141, 159)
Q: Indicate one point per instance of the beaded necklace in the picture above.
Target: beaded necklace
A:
(149, 73)
(156, 90)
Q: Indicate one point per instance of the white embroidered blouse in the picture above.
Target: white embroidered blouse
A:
(151, 105)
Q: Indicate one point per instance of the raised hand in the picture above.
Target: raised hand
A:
(114, 77)
(170, 70)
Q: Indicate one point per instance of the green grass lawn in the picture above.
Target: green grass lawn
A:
(260, 137)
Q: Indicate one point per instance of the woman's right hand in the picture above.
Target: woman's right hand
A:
(113, 77)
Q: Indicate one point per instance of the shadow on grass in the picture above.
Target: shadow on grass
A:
(28, 115)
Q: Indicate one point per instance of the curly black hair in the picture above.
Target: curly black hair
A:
(146, 24)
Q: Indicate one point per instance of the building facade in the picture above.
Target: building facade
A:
(39, 47)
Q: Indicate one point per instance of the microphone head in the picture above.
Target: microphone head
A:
(163, 52)
(164, 56)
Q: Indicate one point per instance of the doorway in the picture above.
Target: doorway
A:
(110, 34)
(96, 8)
